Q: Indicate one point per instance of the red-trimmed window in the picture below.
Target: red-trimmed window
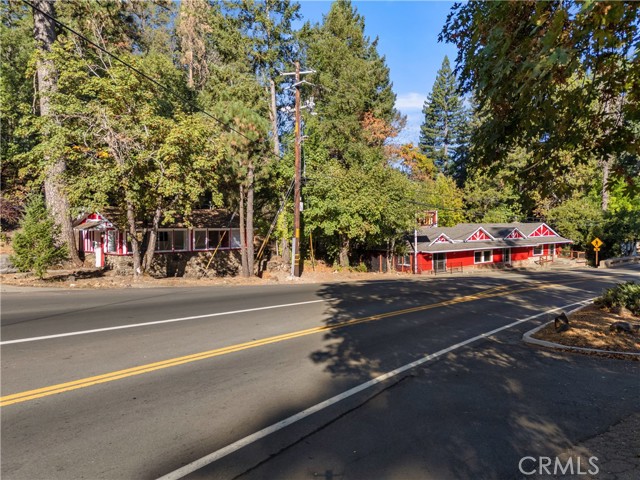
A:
(180, 240)
(170, 240)
(113, 238)
(218, 239)
(211, 238)
(163, 241)
(200, 239)
(538, 250)
(235, 238)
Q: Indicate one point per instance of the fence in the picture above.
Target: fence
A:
(574, 255)
(449, 267)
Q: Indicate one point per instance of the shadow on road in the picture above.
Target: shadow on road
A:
(473, 413)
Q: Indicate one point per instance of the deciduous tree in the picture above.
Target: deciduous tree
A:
(551, 76)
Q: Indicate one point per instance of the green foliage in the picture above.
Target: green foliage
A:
(34, 245)
(352, 82)
(620, 231)
(360, 268)
(352, 197)
(551, 76)
(16, 100)
(496, 196)
(576, 219)
(443, 195)
(625, 295)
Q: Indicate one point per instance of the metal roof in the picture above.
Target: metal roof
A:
(459, 233)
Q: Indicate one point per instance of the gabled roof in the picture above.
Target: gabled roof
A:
(516, 233)
(480, 234)
(442, 238)
(543, 230)
(92, 221)
(459, 234)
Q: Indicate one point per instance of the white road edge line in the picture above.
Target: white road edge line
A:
(243, 442)
(158, 322)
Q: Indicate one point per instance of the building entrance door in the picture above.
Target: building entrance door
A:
(97, 248)
(506, 256)
(439, 262)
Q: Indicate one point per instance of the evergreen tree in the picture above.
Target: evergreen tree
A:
(461, 160)
(34, 245)
(355, 115)
(443, 118)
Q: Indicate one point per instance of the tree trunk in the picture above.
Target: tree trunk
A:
(286, 251)
(190, 66)
(391, 248)
(273, 116)
(249, 220)
(57, 202)
(606, 168)
(344, 251)
(135, 244)
(153, 235)
(243, 235)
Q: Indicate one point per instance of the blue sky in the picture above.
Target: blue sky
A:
(408, 38)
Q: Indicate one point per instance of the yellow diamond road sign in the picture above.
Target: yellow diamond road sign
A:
(597, 243)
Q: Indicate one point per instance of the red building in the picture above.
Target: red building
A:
(486, 245)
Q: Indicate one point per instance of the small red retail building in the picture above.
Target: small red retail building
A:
(473, 245)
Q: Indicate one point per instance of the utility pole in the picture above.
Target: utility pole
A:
(295, 243)
(296, 265)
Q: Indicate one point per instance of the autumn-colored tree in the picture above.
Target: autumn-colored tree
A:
(192, 27)
(419, 166)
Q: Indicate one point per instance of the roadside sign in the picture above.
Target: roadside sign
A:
(597, 243)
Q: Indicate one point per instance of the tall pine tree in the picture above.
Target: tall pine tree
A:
(344, 151)
(443, 118)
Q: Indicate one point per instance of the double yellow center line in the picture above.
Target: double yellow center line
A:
(150, 367)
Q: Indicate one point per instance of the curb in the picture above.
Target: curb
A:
(528, 338)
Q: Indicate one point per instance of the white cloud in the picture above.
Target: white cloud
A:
(410, 101)
(411, 132)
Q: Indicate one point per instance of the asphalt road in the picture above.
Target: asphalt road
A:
(137, 383)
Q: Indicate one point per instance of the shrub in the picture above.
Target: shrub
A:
(625, 295)
(34, 245)
(361, 268)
